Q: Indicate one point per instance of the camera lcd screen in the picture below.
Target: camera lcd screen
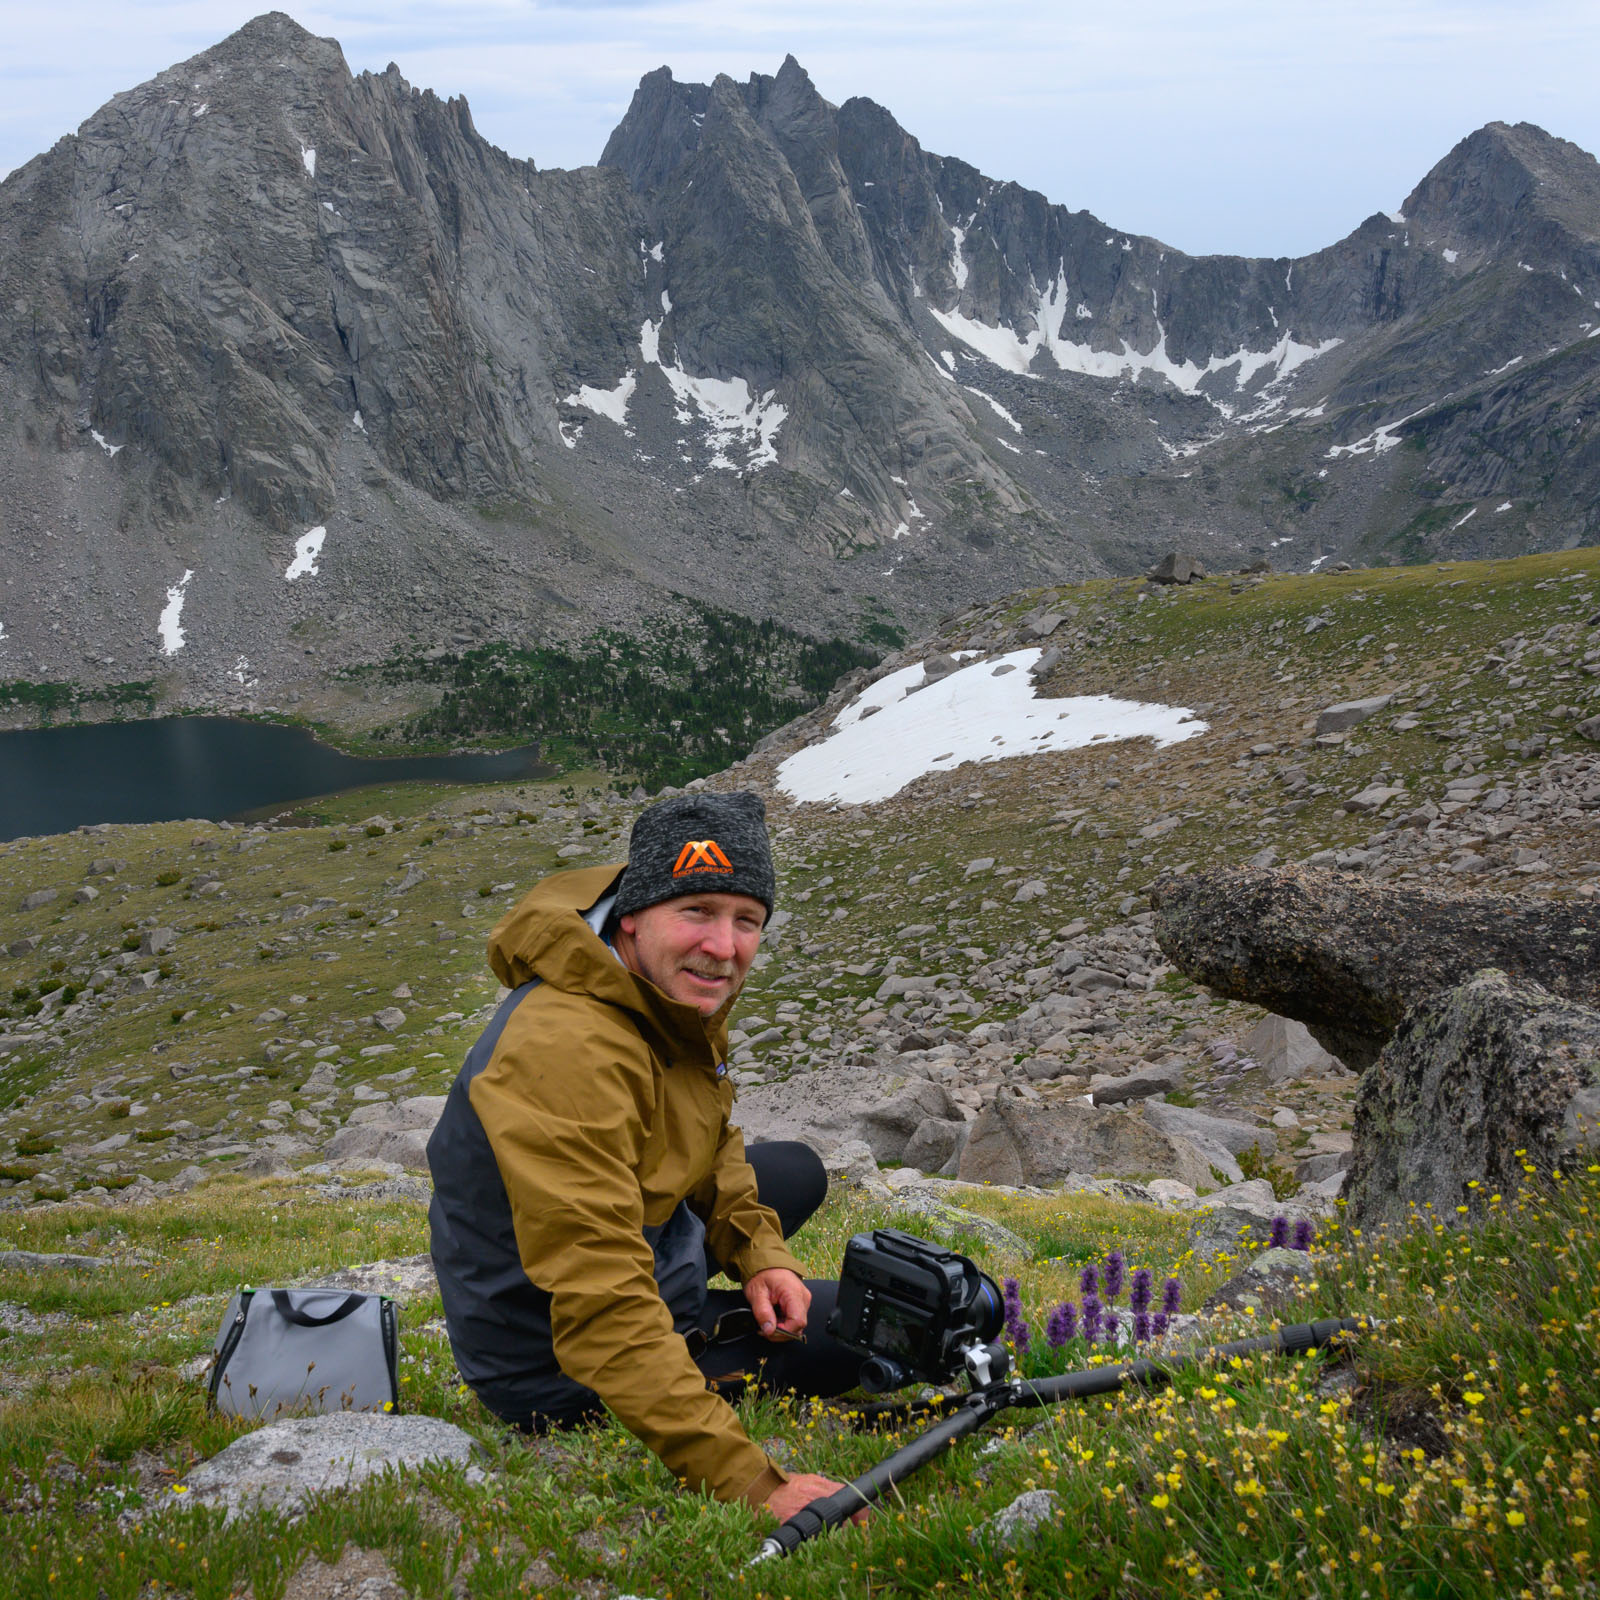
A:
(895, 1331)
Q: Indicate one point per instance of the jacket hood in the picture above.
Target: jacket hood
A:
(544, 936)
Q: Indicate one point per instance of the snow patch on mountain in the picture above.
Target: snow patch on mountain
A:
(169, 625)
(734, 417)
(1016, 427)
(1006, 348)
(612, 403)
(1376, 442)
(985, 711)
(306, 550)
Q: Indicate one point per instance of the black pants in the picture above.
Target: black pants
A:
(791, 1180)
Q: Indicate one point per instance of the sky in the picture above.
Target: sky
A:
(1256, 127)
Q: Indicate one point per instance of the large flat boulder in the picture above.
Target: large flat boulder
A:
(1477, 1082)
(1234, 1136)
(1349, 958)
(1019, 1141)
(395, 1131)
(834, 1105)
(279, 1468)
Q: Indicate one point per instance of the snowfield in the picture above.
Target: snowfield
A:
(985, 711)
(169, 624)
(307, 548)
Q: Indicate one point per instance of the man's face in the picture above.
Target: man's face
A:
(696, 948)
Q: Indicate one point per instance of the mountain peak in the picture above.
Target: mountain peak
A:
(1504, 179)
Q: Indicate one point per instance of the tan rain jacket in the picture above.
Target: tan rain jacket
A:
(604, 1108)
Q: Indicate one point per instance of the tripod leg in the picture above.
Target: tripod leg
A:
(839, 1507)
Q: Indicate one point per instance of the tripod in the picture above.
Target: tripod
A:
(1021, 1393)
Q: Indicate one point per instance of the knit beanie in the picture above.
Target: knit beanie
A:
(698, 843)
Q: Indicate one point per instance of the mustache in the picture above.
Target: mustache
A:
(713, 969)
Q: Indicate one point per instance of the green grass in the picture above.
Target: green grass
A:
(1450, 1453)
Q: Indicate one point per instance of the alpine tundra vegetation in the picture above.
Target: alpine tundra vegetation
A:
(1017, 1002)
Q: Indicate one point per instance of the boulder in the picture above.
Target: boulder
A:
(935, 1143)
(403, 1279)
(280, 1467)
(48, 1261)
(1269, 1284)
(1373, 797)
(1175, 567)
(1287, 1051)
(939, 666)
(1349, 957)
(390, 1018)
(1092, 980)
(1020, 1521)
(264, 1163)
(1232, 1135)
(1161, 1078)
(157, 941)
(392, 1131)
(1336, 719)
(1018, 1141)
(835, 1105)
(852, 1161)
(956, 1227)
(37, 899)
(1476, 1082)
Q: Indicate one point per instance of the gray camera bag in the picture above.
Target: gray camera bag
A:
(293, 1351)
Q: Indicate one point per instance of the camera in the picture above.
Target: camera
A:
(916, 1312)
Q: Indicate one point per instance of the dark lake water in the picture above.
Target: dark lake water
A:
(53, 779)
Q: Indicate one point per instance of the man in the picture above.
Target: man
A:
(587, 1182)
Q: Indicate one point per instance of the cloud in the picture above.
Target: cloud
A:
(1240, 126)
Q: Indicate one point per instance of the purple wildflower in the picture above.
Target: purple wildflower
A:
(1089, 1279)
(1304, 1232)
(1280, 1233)
(1091, 1317)
(1139, 1295)
(1141, 1327)
(1013, 1306)
(1021, 1338)
(1061, 1325)
(1109, 1325)
(1172, 1297)
(1114, 1274)
(1158, 1324)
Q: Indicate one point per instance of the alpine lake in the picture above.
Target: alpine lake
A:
(161, 770)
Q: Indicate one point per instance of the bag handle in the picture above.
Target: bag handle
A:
(290, 1312)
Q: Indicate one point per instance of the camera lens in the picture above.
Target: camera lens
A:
(989, 1310)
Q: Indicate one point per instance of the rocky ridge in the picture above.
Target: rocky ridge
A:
(294, 360)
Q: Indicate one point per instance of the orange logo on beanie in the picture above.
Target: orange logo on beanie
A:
(701, 855)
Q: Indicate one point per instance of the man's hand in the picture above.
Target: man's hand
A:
(780, 1301)
(799, 1492)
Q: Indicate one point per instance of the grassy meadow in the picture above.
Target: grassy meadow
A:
(1449, 1452)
